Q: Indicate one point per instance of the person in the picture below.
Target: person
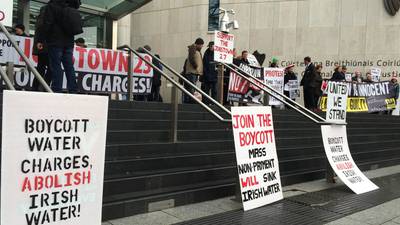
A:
(318, 84)
(210, 77)
(395, 88)
(338, 75)
(43, 55)
(19, 30)
(155, 95)
(80, 42)
(244, 58)
(369, 78)
(60, 44)
(193, 67)
(357, 77)
(274, 63)
(289, 75)
(308, 84)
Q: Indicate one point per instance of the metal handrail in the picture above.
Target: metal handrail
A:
(175, 83)
(188, 82)
(279, 96)
(26, 60)
(6, 79)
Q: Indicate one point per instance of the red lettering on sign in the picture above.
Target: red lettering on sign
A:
(123, 62)
(249, 182)
(81, 56)
(109, 59)
(93, 55)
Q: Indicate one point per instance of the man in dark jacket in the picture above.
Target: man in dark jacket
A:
(60, 44)
(210, 77)
(308, 84)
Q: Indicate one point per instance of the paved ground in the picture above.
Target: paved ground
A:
(387, 213)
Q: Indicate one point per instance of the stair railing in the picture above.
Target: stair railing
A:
(28, 62)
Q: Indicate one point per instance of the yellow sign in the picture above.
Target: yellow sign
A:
(354, 104)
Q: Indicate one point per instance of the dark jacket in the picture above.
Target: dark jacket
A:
(210, 67)
(52, 32)
(39, 26)
(337, 76)
(289, 75)
(308, 79)
(318, 84)
(157, 75)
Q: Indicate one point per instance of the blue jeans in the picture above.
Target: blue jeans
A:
(64, 56)
(193, 79)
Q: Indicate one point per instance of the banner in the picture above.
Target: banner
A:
(6, 12)
(223, 48)
(240, 90)
(274, 77)
(257, 160)
(339, 157)
(97, 70)
(367, 97)
(53, 152)
(336, 104)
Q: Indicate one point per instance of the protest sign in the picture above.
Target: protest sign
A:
(257, 160)
(367, 97)
(339, 157)
(241, 90)
(274, 77)
(376, 74)
(348, 77)
(253, 60)
(6, 12)
(294, 89)
(337, 102)
(97, 70)
(223, 48)
(53, 151)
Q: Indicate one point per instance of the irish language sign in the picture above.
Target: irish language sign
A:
(339, 156)
(53, 150)
(257, 160)
(223, 48)
(337, 102)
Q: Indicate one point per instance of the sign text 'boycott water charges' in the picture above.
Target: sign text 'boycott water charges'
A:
(338, 152)
(97, 70)
(367, 97)
(223, 47)
(52, 158)
(337, 102)
(257, 160)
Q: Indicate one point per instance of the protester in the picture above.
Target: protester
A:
(308, 83)
(210, 77)
(338, 75)
(344, 71)
(60, 41)
(289, 75)
(80, 42)
(155, 95)
(318, 84)
(43, 55)
(369, 78)
(193, 67)
(274, 63)
(395, 88)
(244, 58)
(145, 97)
(19, 30)
(357, 77)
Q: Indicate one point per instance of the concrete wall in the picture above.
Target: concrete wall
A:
(359, 31)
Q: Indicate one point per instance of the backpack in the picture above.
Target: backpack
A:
(72, 22)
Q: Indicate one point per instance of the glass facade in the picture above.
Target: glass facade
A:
(213, 15)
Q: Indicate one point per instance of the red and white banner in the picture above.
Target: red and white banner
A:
(97, 70)
(274, 77)
(223, 48)
(257, 160)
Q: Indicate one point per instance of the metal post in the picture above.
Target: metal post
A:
(221, 69)
(10, 71)
(174, 115)
(130, 75)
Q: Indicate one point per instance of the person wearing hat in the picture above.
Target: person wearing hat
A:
(289, 75)
(210, 77)
(193, 67)
(274, 63)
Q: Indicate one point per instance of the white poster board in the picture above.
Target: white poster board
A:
(223, 48)
(257, 160)
(337, 102)
(6, 12)
(294, 89)
(275, 78)
(339, 157)
(376, 74)
(349, 77)
(53, 151)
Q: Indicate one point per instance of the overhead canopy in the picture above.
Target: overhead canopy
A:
(115, 8)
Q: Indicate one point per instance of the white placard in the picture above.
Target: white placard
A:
(53, 151)
(294, 89)
(223, 48)
(337, 102)
(348, 77)
(6, 12)
(339, 157)
(376, 74)
(257, 160)
(275, 78)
